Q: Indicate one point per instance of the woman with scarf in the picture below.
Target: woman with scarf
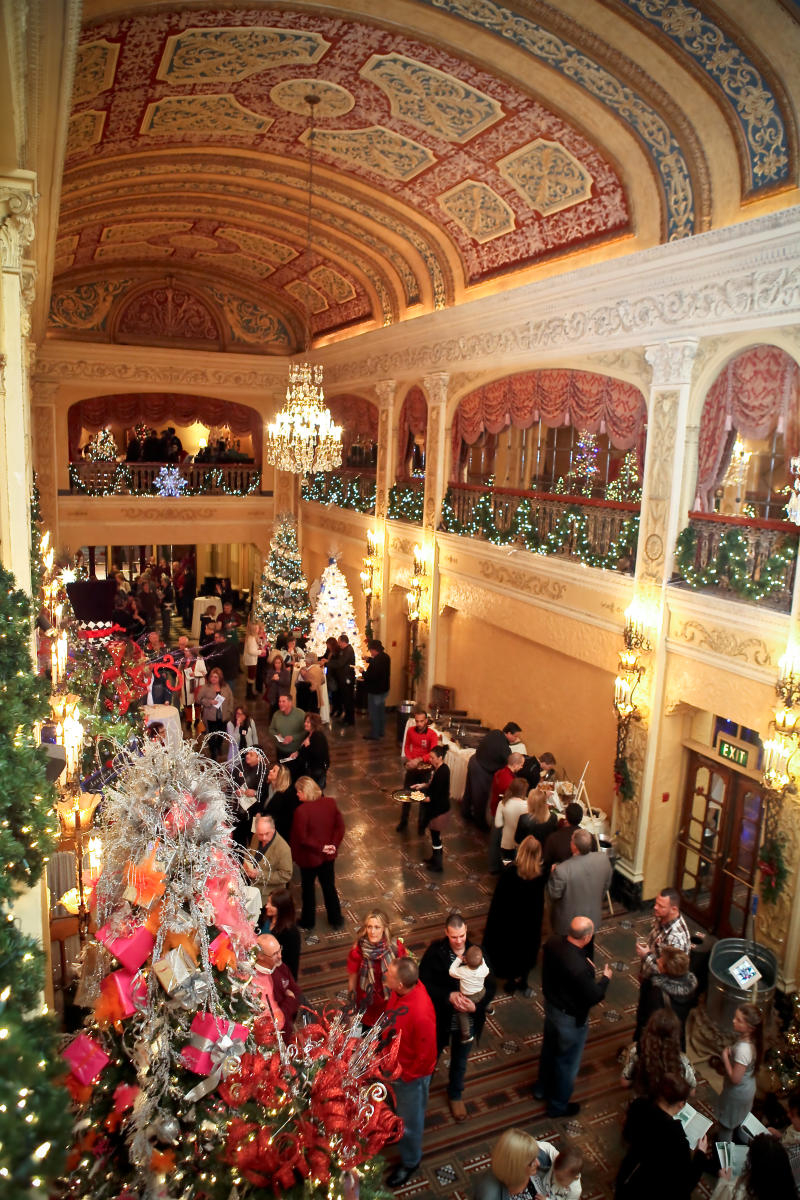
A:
(367, 963)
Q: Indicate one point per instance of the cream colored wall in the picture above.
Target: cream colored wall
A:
(563, 705)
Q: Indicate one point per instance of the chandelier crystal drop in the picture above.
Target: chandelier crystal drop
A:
(303, 437)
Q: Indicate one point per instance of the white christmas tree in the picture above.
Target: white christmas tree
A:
(334, 614)
(282, 600)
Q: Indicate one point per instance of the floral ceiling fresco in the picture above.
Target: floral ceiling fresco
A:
(442, 164)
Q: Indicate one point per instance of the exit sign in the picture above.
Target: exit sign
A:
(733, 752)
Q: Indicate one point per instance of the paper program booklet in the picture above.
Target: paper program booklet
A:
(745, 972)
(695, 1125)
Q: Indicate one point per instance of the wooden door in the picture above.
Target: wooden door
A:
(718, 845)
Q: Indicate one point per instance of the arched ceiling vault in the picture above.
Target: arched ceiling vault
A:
(461, 147)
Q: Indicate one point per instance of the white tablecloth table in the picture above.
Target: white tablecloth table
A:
(170, 718)
(201, 603)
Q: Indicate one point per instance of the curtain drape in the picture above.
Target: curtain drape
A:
(758, 392)
(413, 420)
(356, 416)
(159, 409)
(590, 402)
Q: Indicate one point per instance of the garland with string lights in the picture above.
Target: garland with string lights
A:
(37, 533)
(774, 872)
(571, 531)
(728, 567)
(405, 503)
(356, 492)
(34, 1127)
(120, 483)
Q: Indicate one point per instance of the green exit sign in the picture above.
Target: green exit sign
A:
(733, 752)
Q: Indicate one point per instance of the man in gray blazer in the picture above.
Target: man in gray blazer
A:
(577, 886)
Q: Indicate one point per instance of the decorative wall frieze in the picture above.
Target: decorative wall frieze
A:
(662, 434)
(725, 642)
(744, 276)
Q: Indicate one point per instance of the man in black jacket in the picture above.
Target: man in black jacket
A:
(434, 972)
(570, 990)
(342, 667)
(376, 677)
(491, 753)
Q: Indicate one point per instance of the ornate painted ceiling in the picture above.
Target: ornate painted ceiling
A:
(460, 146)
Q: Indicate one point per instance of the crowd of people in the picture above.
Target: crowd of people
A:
(551, 882)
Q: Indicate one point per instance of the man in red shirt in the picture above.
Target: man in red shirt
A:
(411, 1014)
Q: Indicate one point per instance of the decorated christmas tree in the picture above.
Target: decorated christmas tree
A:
(334, 614)
(102, 447)
(282, 600)
(628, 484)
(581, 478)
(108, 673)
(33, 1129)
(184, 1084)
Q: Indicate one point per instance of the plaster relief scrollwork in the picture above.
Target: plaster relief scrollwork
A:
(774, 919)
(167, 512)
(549, 589)
(17, 213)
(661, 449)
(722, 641)
(223, 376)
(398, 545)
(627, 811)
(671, 362)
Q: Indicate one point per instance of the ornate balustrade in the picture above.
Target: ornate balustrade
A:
(406, 501)
(599, 533)
(741, 558)
(346, 488)
(140, 479)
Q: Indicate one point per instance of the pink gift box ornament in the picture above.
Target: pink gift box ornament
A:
(215, 1049)
(132, 951)
(131, 990)
(86, 1058)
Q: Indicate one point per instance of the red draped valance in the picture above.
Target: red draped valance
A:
(160, 409)
(413, 420)
(758, 392)
(590, 402)
(357, 417)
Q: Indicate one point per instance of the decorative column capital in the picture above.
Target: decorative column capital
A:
(385, 390)
(672, 362)
(17, 213)
(435, 386)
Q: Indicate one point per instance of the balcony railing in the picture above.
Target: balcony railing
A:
(599, 533)
(145, 479)
(741, 558)
(406, 501)
(346, 488)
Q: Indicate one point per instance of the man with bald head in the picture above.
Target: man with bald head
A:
(570, 990)
(577, 887)
(285, 991)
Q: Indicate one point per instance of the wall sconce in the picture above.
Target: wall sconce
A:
(779, 751)
(418, 593)
(641, 620)
(371, 576)
(75, 812)
(69, 732)
(788, 685)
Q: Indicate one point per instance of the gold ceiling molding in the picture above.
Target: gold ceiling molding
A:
(232, 52)
(95, 68)
(433, 100)
(333, 99)
(85, 130)
(547, 176)
(479, 210)
(173, 116)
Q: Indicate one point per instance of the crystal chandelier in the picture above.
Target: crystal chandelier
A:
(303, 438)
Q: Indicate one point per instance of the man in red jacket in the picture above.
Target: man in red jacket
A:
(411, 1014)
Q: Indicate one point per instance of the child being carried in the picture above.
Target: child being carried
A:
(470, 971)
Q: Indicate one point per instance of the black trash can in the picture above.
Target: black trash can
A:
(404, 711)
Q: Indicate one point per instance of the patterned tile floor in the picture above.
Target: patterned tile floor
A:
(378, 866)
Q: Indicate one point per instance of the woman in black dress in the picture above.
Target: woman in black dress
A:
(313, 755)
(282, 917)
(513, 931)
(436, 813)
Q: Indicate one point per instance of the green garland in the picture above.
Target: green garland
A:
(623, 780)
(356, 492)
(774, 872)
(405, 503)
(728, 568)
(571, 533)
(121, 484)
(37, 564)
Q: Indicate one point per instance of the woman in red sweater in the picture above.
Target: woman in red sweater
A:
(367, 962)
(317, 832)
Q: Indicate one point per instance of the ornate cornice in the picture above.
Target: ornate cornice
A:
(17, 213)
(672, 362)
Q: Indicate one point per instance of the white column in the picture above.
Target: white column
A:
(662, 515)
(435, 486)
(17, 208)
